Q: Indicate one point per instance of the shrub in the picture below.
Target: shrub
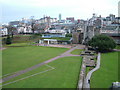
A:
(8, 40)
(69, 35)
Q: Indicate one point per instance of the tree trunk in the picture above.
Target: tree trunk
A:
(12, 34)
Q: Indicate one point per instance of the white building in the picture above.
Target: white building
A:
(106, 23)
(56, 31)
(47, 20)
(24, 29)
(3, 31)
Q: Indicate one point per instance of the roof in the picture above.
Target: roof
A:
(50, 39)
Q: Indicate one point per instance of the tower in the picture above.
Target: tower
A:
(60, 17)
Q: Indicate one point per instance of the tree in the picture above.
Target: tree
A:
(33, 24)
(102, 43)
(8, 40)
(69, 35)
(33, 27)
(11, 30)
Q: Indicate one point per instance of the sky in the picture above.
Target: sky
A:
(79, 9)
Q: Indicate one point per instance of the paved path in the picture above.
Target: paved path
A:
(67, 53)
(1, 48)
(117, 50)
(86, 83)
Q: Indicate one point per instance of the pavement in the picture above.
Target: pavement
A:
(65, 54)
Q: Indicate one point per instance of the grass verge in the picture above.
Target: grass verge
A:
(108, 71)
(77, 51)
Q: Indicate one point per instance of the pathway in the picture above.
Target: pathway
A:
(1, 48)
(67, 53)
(118, 50)
(86, 83)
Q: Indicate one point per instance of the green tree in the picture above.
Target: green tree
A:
(8, 40)
(102, 43)
(69, 35)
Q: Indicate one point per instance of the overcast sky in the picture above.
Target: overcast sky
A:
(80, 9)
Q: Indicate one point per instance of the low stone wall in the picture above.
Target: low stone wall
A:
(87, 62)
(82, 75)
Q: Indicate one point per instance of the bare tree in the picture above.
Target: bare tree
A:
(11, 30)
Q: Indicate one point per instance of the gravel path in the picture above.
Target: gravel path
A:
(67, 53)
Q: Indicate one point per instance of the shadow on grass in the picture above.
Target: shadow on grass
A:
(102, 51)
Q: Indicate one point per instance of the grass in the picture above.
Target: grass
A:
(65, 75)
(23, 35)
(117, 47)
(77, 51)
(40, 69)
(108, 71)
(17, 44)
(87, 70)
(18, 58)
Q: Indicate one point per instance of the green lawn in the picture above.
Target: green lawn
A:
(108, 71)
(17, 44)
(77, 51)
(18, 58)
(118, 47)
(65, 75)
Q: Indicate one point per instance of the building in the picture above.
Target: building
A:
(50, 35)
(109, 20)
(14, 23)
(112, 31)
(92, 28)
(60, 17)
(48, 41)
(47, 19)
(56, 31)
(3, 31)
(77, 36)
(54, 41)
(63, 26)
(70, 18)
(24, 29)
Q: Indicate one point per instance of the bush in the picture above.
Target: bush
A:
(102, 43)
(38, 34)
(68, 35)
(8, 40)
